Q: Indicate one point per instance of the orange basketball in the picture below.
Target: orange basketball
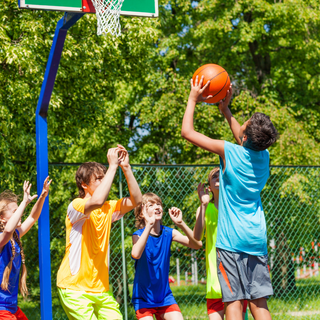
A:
(219, 81)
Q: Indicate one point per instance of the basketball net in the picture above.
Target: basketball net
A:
(108, 13)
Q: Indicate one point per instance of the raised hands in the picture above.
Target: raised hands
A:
(149, 215)
(223, 104)
(197, 90)
(27, 198)
(176, 215)
(123, 156)
(113, 156)
(45, 189)
(118, 156)
(203, 194)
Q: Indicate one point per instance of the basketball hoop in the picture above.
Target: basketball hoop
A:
(108, 13)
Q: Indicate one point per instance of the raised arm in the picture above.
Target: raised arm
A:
(135, 198)
(204, 198)
(12, 223)
(233, 123)
(188, 132)
(188, 240)
(139, 243)
(100, 195)
(36, 210)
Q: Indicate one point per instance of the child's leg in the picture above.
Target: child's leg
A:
(259, 309)
(77, 305)
(171, 312)
(234, 310)
(106, 307)
(175, 315)
(216, 315)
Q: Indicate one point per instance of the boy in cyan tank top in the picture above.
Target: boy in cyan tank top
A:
(242, 255)
(151, 249)
(207, 218)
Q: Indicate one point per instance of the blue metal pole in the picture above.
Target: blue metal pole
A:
(42, 158)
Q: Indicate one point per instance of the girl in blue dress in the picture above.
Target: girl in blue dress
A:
(12, 257)
(151, 251)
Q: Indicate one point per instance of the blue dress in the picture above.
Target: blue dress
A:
(9, 299)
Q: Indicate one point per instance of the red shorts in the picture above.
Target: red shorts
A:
(216, 305)
(158, 311)
(7, 315)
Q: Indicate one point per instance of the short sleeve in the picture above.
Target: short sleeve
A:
(79, 204)
(76, 210)
(138, 232)
(114, 207)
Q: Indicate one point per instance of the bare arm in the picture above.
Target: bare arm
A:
(11, 225)
(135, 198)
(200, 223)
(204, 198)
(139, 243)
(36, 210)
(188, 132)
(233, 123)
(188, 240)
(100, 195)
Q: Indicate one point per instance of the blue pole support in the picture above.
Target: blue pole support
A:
(42, 158)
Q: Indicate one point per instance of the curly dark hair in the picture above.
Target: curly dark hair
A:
(261, 132)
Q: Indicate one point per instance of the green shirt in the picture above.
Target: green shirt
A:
(213, 285)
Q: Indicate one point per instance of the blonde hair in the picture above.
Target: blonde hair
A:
(6, 198)
(211, 174)
(147, 197)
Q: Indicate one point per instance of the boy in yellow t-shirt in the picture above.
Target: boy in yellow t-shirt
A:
(83, 277)
(207, 217)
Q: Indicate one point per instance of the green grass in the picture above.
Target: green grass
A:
(304, 304)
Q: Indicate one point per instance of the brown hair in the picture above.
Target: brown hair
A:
(147, 197)
(85, 173)
(6, 198)
(211, 174)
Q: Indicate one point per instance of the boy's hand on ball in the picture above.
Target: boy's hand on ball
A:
(223, 104)
(197, 90)
(175, 215)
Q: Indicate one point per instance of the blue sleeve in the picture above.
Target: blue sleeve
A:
(138, 232)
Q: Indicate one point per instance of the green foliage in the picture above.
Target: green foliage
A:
(133, 90)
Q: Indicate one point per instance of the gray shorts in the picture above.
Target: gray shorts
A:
(243, 276)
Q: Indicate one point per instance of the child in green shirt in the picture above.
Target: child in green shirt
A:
(207, 217)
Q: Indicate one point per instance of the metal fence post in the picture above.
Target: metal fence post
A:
(123, 255)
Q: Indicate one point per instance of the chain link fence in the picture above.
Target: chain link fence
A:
(292, 209)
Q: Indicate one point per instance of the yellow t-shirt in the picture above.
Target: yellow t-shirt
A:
(85, 264)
